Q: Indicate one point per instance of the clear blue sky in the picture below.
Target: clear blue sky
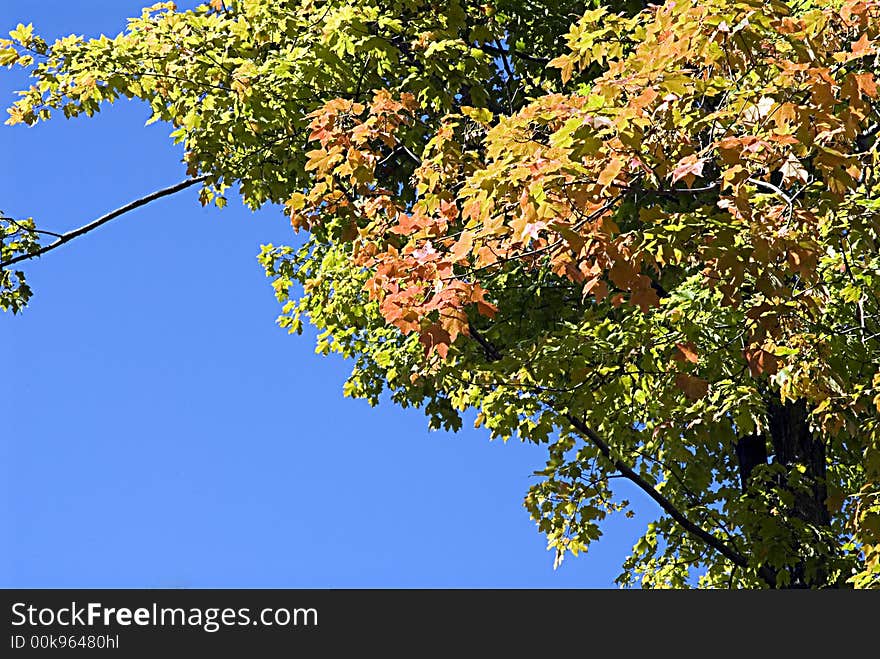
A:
(159, 430)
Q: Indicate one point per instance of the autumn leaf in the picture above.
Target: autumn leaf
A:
(434, 337)
(866, 84)
(462, 247)
(645, 298)
(761, 361)
(688, 168)
(480, 115)
(573, 238)
(693, 387)
(862, 46)
(686, 352)
(610, 172)
(792, 170)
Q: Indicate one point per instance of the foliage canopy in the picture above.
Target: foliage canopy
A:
(644, 236)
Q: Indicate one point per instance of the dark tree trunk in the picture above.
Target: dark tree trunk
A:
(792, 443)
(751, 451)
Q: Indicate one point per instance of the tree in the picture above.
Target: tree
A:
(644, 236)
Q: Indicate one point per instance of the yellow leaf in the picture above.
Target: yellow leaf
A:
(480, 115)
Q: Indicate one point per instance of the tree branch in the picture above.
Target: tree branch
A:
(491, 352)
(27, 229)
(735, 557)
(772, 188)
(766, 573)
(495, 50)
(91, 226)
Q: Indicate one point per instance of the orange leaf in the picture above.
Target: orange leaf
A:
(862, 47)
(785, 115)
(612, 169)
(463, 246)
(688, 166)
(484, 307)
(866, 84)
(686, 352)
(644, 99)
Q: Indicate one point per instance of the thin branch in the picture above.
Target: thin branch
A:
(357, 91)
(509, 77)
(29, 230)
(86, 228)
(769, 186)
(413, 156)
(168, 76)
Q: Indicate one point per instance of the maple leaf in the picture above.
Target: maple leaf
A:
(792, 170)
(480, 115)
(425, 253)
(484, 307)
(686, 352)
(760, 361)
(463, 246)
(409, 223)
(573, 238)
(434, 337)
(688, 168)
(645, 298)
(863, 46)
(644, 99)
(693, 387)
(610, 172)
(867, 84)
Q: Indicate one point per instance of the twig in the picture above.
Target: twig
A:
(91, 226)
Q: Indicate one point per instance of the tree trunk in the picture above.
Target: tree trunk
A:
(792, 444)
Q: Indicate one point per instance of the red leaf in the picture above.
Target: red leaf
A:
(435, 338)
(760, 361)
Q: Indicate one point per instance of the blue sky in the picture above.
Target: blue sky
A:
(158, 428)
